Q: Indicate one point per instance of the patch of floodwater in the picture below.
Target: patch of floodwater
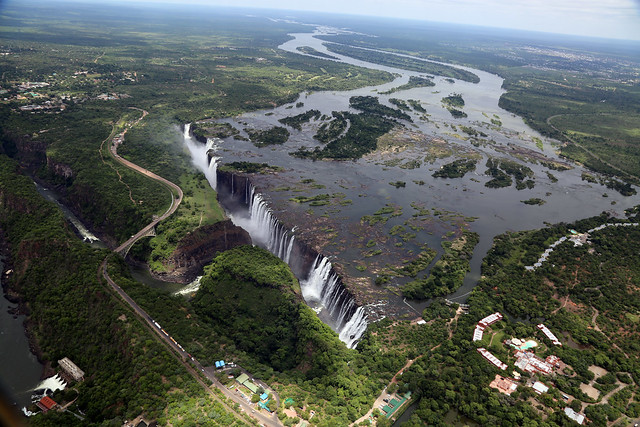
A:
(365, 182)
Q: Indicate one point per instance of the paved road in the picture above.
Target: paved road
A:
(192, 365)
(113, 149)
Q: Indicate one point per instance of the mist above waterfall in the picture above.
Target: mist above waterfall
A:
(203, 155)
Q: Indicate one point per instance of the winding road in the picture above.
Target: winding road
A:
(190, 363)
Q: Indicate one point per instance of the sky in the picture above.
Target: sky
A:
(618, 19)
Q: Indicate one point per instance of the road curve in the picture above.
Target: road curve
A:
(113, 149)
(183, 357)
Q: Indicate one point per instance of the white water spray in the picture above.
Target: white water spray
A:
(203, 155)
(52, 383)
(190, 288)
(323, 287)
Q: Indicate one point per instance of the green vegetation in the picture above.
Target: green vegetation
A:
(534, 201)
(74, 315)
(453, 100)
(414, 81)
(297, 121)
(416, 105)
(314, 52)
(213, 130)
(333, 129)
(398, 184)
(318, 200)
(502, 170)
(406, 63)
(371, 105)
(453, 103)
(361, 137)
(413, 267)
(272, 136)
(457, 114)
(382, 215)
(249, 167)
(255, 299)
(400, 104)
(456, 169)
(448, 272)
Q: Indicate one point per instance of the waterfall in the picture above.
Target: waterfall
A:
(190, 288)
(203, 155)
(52, 384)
(322, 289)
(267, 229)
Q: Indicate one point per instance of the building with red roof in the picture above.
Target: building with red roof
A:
(46, 404)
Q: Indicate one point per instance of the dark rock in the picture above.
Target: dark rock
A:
(199, 247)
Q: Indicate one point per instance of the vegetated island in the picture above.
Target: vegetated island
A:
(297, 121)
(414, 81)
(314, 52)
(404, 62)
(454, 103)
(273, 136)
(362, 134)
(456, 169)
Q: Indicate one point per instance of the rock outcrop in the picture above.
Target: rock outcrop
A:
(199, 247)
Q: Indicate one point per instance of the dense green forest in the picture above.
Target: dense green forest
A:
(72, 314)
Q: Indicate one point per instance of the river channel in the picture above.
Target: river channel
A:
(336, 230)
(20, 370)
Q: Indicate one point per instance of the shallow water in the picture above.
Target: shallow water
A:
(366, 181)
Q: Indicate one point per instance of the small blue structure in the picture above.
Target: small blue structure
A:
(220, 364)
(263, 405)
(264, 396)
(217, 364)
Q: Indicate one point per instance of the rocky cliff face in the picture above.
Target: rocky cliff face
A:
(199, 247)
(31, 154)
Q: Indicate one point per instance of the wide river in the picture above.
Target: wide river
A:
(366, 181)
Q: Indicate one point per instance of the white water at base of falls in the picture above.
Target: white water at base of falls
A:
(52, 383)
(190, 288)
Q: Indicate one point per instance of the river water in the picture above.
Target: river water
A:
(465, 201)
(19, 368)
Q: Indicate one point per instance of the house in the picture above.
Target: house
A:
(549, 334)
(46, 404)
(575, 416)
(504, 385)
(492, 359)
(529, 362)
(477, 333)
(491, 319)
(539, 388)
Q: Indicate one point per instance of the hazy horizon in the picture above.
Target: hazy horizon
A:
(613, 19)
